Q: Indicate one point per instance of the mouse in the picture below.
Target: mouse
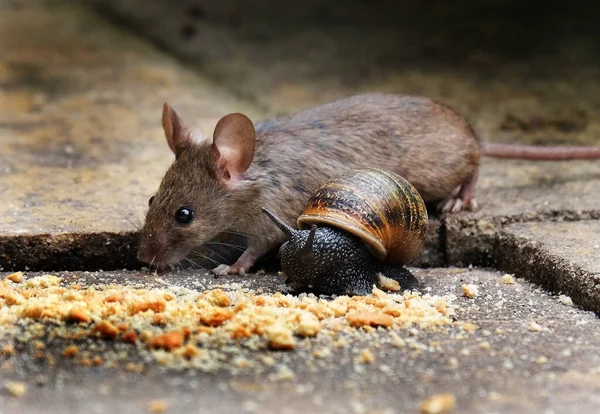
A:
(219, 184)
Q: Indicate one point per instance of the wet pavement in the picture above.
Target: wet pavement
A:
(82, 150)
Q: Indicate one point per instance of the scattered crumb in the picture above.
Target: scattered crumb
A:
(106, 329)
(16, 277)
(70, 351)
(484, 345)
(469, 327)
(207, 330)
(438, 404)
(358, 319)
(280, 337)
(16, 389)
(389, 284)
(8, 350)
(284, 373)
(565, 300)
(309, 325)
(322, 353)
(508, 279)
(366, 357)
(79, 315)
(541, 360)
(158, 406)
(535, 327)
(471, 291)
(168, 341)
(397, 341)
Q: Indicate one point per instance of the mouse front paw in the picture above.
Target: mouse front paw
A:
(223, 270)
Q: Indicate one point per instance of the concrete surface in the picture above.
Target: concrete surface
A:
(82, 150)
(503, 366)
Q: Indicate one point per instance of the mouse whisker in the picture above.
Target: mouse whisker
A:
(203, 256)
(233, 246)
(246, 234)
(223, 260)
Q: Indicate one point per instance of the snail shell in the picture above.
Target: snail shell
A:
(378, 206)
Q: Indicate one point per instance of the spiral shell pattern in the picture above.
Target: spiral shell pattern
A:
(378, 206)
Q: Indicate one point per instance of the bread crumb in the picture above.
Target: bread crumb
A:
(388, 284)
(16, 389)
(471, 291)
(106, 330)
(438, 404)
(508, 279)
(191, 351)
(309, 325)
(485, 345)
(535, 327)
(565, 300)
(541, 360)
(16, 277)
(397, 341)
(469, 327)
(216, 316)
(158, 406)
(8, 350)
(366, 357)
(280, 337)
(284, 373)
(358, 319)
(70, 351)
(168, 341)
(79, 315)
(322, 353)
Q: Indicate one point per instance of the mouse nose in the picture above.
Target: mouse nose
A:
(152, 248)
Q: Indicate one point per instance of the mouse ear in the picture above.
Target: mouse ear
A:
(233, 147)
(178, 136)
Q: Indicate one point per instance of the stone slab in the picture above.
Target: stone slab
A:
(562, 256)
(503, 366)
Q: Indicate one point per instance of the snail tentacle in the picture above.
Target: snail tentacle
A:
(287, 229)
(310, 239)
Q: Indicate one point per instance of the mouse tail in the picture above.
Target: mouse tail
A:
(539, 153)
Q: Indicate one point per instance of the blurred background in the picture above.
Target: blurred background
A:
(520, 69)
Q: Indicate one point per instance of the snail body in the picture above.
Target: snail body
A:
(364, 225)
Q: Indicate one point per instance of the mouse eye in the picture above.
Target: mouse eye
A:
(184, 215)
(150, 201)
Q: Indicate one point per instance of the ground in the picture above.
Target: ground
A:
(81, 92)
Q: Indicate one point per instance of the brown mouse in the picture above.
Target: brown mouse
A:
(219, 184)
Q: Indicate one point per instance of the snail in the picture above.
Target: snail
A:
(358, 229)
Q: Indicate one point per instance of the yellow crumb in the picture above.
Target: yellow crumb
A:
(158, 406)
(70, 351)
(542, 360)
(16, 389)
(366, 357)
(309, 325)
(280, 337)
(508, 279)
(535, 327)
(471, 291)
(438, 404)
(16, 277)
